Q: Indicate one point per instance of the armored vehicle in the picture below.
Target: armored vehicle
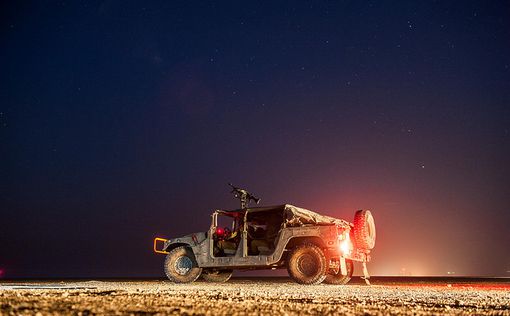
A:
(313, 248)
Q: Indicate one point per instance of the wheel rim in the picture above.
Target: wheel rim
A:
(183, 265)
(307, 265)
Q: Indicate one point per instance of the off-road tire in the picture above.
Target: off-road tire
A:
(338, 278)
(307, 264)
(364, 230)
(216, 275)
(181, 265)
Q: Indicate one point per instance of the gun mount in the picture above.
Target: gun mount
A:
(243, 195)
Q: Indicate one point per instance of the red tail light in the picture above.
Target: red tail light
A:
(345, 244)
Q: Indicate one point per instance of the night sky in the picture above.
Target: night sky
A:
(121, 121)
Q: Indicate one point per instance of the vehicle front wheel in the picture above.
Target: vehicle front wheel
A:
(181, 266)
(338, 278)
(307, 264)
(216, 275)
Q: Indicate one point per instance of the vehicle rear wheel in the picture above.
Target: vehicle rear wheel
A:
(181, 266)
(216, 275)
(338, 278)
(307, 264)
(364, 229)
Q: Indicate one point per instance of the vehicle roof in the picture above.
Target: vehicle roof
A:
(294, 216)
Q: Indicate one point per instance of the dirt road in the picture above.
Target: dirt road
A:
(247, 296)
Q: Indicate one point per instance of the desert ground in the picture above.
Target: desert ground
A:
(257, 296)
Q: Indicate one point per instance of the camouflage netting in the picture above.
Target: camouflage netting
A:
(296, 216)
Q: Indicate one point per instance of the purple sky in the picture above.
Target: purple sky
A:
(121, 121)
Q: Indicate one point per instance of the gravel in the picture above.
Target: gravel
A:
(250, 297)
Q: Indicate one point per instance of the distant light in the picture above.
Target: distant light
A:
(450, 272)
(1, 273)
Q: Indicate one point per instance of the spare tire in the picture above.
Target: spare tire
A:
(364, 229)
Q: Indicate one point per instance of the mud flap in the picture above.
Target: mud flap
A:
(365, 276)
(343, 266)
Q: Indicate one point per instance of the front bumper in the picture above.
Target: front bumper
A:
(157, 242)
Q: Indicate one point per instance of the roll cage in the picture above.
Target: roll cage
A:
(241, 219)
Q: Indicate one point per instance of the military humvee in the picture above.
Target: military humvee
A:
(313, 247)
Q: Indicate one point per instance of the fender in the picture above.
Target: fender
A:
(292, 236)
(192, 240)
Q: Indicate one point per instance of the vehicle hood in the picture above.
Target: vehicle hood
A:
(194, 238)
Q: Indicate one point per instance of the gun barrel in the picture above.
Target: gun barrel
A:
(243, 195)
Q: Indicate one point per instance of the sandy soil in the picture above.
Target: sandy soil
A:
(252, 297)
